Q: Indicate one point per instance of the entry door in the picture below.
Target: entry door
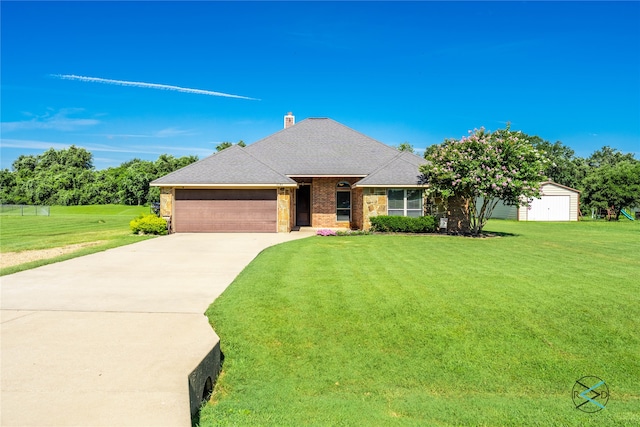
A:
(303, 206)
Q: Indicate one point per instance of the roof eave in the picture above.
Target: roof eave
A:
(221, 185)
(365, 185)
(340, 175)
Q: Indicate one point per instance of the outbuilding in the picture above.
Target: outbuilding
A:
(557, 203)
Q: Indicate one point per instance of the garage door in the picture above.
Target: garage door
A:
(550, 208)
(214, 211)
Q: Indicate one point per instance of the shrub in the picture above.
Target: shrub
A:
(403, 224)
(148, 224)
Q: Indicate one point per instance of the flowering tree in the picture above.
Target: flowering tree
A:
(477, 171)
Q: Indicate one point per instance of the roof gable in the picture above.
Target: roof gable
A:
(231, 166)
(542, 184)
(402, 170)
(320, 146)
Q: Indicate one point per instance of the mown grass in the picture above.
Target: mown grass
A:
(67, 225)
(433, 330)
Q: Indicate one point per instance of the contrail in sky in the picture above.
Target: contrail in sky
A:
(147, 85)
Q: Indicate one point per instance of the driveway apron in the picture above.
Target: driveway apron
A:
(109, 339)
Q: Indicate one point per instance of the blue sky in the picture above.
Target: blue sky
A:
(416, 72)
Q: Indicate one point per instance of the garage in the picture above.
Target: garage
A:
(556, 203)
(220, 211)
(550, 208)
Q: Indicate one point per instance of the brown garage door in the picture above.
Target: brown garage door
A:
(215, 211)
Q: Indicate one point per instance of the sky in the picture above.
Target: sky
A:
(138, 79)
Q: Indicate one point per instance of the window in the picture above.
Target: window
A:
(343, 201)
(404, 202)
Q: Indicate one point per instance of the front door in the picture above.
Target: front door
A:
(303, 206)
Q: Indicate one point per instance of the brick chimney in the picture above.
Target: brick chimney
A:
(289, 120)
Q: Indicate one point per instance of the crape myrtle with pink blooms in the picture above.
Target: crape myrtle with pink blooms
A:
(483, 168)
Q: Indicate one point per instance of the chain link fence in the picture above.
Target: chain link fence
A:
(25, 210)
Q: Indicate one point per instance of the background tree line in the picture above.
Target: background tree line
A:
(68, 177)
(607, 178)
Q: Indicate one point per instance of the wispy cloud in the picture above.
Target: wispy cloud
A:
(53, 121)
(148, 85)
(171, 132)
(29, 144)
(163, 133)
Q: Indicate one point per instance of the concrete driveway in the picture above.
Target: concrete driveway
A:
(113, 338)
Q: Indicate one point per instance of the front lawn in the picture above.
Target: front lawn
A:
(105, 225)
(433, 330)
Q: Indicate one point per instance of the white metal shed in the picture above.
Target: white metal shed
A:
(557, 203)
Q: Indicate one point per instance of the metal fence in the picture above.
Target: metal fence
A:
(25, 210)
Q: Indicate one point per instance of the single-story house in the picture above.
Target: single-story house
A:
(316, 173)
(556, 203)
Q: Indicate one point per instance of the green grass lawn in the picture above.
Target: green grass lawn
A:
(68, 225)
(433, 330)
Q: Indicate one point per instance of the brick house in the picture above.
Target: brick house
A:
(316, 173)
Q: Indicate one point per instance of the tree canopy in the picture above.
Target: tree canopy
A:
(613, 186)
(482, 169)
(68, 177)
(405, 146)
(564, 167)
(608, 156)
(227, 144)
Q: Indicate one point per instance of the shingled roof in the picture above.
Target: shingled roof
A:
(313, 147)
(231, 166)
(403, 170)
(320, 146)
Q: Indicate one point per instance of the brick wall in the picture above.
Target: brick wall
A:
(323, 203)
(458, 216)
(356, 209)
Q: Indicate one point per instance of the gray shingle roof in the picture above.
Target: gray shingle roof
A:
(402, 170)
(233, 165)
(313, 147)
(322, 147)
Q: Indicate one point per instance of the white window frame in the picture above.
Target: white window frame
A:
(405, 209)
